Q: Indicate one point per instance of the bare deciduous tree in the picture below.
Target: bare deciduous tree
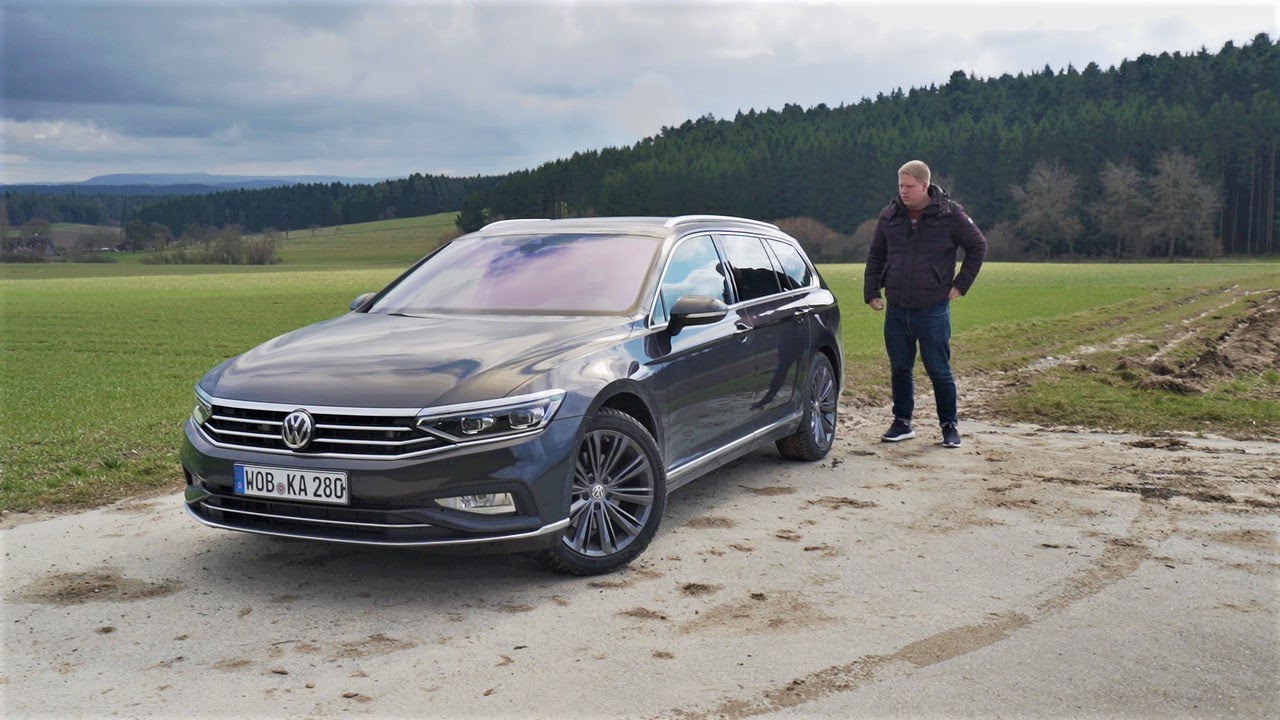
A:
(1122, 211)
(1048, 209)
(1183, 207)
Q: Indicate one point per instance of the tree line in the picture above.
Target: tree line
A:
(1002, 146)
(296, 207)
(1167, 155)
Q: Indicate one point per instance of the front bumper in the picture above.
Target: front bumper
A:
(392, 502)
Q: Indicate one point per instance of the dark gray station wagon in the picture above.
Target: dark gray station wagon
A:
(538, 386)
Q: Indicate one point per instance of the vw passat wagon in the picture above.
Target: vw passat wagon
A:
(537, 386)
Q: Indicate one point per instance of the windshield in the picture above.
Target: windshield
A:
(550, 274)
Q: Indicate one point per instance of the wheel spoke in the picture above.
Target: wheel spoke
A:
(605, 529)
(628, 472)
(618, 445)
(624, 520)
(582, 530)
(634, 496)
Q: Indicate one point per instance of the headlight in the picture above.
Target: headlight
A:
(506, 417)
(203, 410)
(488, 504)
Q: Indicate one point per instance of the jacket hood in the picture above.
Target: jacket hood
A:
(939, 202)
(376, 360)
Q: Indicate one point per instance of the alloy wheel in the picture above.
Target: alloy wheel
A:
(613, 494)
(822, 400)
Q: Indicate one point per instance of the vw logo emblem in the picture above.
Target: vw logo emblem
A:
(297, 429)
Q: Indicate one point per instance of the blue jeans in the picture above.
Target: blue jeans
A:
(930, 329)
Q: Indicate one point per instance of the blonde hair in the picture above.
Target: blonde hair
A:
(917, 170)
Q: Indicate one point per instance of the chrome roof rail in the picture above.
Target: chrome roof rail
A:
(517, 221)
(672, 222)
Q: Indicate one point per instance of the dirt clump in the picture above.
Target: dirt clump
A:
(98, 585)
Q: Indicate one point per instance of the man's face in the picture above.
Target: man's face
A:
(914, 193)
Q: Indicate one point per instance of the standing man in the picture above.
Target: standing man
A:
(913, 257)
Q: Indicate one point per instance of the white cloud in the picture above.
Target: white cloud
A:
(488, 87)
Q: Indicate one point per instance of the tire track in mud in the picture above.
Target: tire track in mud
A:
(1121, 557)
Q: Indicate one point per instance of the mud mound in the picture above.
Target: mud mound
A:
(1251, 347)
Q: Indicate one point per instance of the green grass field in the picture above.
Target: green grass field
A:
(98, 361)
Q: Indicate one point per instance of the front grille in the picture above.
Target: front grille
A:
(360, 435)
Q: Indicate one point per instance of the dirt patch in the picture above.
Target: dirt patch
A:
(643, 613)
(698, 589)
(1258, 540)
(1162, 443)
(760, 613)
(100, 585)
(835, 503)
(376, 644)
(708, 522)
(772, 490)
(1251, 346)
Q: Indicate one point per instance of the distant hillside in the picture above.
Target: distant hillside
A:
(296, 207)
(226, 182)
(981, 136)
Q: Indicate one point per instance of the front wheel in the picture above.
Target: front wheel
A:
(618, 494)
(817, 432)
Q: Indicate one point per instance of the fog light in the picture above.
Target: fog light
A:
(487, 504)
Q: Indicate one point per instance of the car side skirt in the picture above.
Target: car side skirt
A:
(682, 475)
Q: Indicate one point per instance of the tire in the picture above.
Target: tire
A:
(618, 492)
(817, 432)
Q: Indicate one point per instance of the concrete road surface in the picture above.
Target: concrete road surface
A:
(1028, 574)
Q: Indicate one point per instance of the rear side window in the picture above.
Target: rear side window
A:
(752, 269)
(796, 271)
(695, 269)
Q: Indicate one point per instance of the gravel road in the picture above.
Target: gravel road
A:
(1030, 573)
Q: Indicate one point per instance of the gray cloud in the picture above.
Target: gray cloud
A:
(466, 88)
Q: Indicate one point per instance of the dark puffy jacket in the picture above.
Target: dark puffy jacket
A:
(917, 269)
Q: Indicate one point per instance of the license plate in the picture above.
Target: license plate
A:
(320, 486)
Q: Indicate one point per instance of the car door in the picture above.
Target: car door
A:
(779, 337)
(703, 375)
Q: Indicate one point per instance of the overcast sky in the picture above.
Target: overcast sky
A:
(385, 90)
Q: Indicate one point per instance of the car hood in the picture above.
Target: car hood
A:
(374, 360)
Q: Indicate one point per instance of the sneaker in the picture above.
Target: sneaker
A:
(899, 430)
(950, 435)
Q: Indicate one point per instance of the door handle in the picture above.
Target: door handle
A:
(740, 328)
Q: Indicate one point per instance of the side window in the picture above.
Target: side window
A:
(695, 269)
(752, 269)
(797, 270)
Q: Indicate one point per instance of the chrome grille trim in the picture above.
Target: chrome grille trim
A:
(372, 433)
(334, 426)
(297, 518)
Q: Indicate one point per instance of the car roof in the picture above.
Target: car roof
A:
(654, 226)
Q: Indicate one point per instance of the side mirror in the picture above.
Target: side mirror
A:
(361, 300)
(695, 310)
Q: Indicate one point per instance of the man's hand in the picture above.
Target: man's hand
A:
(954, 294)
(877, 304)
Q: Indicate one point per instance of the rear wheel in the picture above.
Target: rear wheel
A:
(817, 432)
(618, 494)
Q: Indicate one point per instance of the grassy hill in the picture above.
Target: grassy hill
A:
(387, 243)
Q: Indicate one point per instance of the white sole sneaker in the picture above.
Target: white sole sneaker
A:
(898, 438)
